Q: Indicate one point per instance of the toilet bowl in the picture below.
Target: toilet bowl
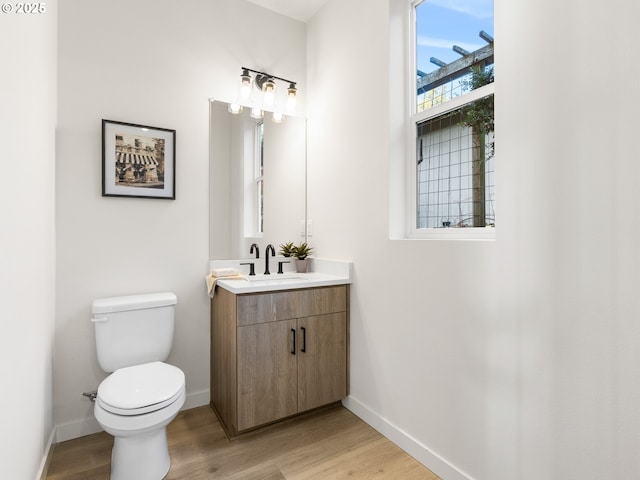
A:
(135, 404)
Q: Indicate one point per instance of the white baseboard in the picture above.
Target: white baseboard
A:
(77, 428)
(196, 399)
(87, 426)
(406, 442)
(46, 457)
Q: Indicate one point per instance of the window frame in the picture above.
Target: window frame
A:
(259, 178)
(250, 178)
(413, 119)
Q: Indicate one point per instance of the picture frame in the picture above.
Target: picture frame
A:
(138, 161)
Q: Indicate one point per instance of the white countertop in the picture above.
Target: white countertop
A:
(322, 273)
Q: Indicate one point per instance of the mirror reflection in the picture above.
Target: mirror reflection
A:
(257, 181)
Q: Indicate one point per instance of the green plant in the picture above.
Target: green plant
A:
(287, 249)
(302, 251)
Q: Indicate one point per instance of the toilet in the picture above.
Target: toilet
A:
(142, 394)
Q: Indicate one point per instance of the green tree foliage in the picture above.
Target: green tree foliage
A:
(479, 115)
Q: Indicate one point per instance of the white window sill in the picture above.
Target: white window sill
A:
(466, 233)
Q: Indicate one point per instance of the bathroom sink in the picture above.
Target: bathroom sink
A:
(274, 277)
(324, 273)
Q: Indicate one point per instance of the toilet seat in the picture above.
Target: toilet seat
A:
(141, 389)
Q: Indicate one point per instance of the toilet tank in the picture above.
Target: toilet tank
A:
(133, 329)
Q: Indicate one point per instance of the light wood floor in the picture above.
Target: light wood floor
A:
(327, 445)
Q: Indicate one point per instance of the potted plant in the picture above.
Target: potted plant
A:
(301, 252)
(287, 249)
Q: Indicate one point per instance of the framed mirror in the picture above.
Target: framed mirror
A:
(257, 181)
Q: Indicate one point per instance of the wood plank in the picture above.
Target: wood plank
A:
(310, 302)
(223, 356)
(322, 367)
(83, 458)
(256, 308)
(328, 444)
(267, 381)
(319, 301)
(455, 69)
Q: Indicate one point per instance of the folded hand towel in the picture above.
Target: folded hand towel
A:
(224, 272)
(212, 278)
(211, 284)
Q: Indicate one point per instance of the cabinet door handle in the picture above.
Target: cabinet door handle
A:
(304, 340)
(293, 334)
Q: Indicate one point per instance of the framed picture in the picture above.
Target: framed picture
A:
(138, 161)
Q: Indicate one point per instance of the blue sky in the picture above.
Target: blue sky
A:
(444, 23)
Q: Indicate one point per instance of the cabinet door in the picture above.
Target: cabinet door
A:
(322, 360)
(267, 379)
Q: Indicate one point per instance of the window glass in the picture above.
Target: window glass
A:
(260, 176)
(454, 171)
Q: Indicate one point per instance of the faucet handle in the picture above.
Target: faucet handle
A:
(280, 265)
(252, 268)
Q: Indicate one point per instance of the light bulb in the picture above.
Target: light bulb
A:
(277, 117)
(256, 113)
(269, 90)
(235, 108)
(292, 92)
(245, 84)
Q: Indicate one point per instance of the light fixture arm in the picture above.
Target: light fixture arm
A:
(268, 75)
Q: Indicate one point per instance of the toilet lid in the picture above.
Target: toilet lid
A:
(141, 388)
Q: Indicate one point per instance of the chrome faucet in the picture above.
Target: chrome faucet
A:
(266, 260)
(254, 246)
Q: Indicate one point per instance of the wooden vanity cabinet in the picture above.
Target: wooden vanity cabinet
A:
(277, 354)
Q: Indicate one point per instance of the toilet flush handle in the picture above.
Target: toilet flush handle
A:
(100, 319)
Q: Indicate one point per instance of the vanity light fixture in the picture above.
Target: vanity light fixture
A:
(265, 83)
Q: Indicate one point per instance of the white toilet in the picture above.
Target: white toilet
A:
(143, 395)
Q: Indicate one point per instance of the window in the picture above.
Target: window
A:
(452, 133)
(259, 177)
(252, 173)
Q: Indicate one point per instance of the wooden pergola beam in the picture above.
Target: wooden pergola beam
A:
(453, 70)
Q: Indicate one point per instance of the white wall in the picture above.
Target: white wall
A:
(151, 63)
(566, 107)
(513, 359)
(421, 337)
(27, 238)
(434, 353)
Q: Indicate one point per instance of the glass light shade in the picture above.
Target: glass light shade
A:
(235, 108)
(277, 117)
(291, 97)
(269, 90)
(245, 84)
(256, 113)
